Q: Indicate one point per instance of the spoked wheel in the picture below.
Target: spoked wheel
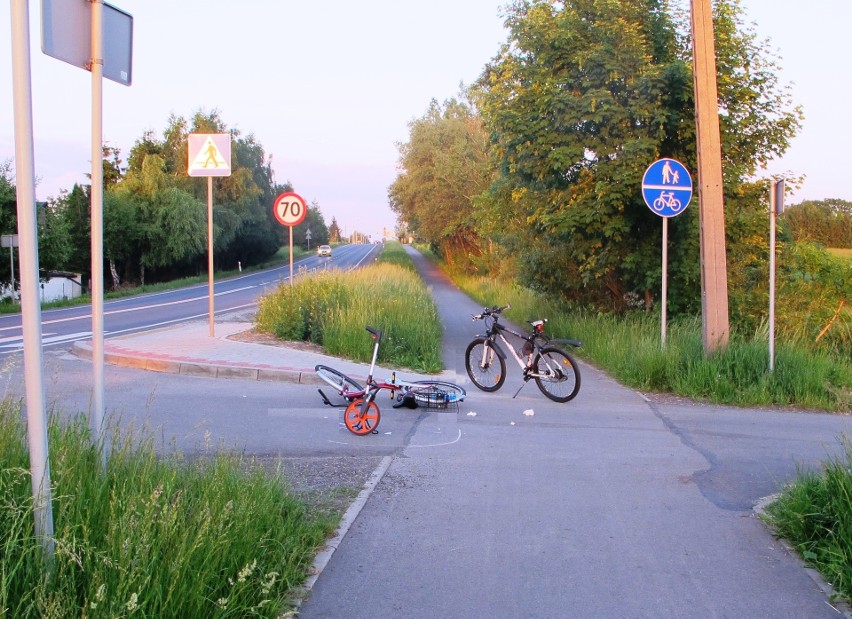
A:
(361, 419)
(340, 381)
(437, 393)
(485, 367)
(556, 374)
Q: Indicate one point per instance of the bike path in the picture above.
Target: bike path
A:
(607, 506)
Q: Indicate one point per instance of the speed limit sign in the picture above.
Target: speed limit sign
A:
(289, 209)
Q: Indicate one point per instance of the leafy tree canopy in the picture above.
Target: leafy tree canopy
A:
(584, 95)
(828, 222)
(444, 167)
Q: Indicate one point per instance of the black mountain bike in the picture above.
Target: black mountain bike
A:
(555, 372)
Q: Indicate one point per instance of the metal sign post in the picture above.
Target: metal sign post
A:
(290, 210)
(209, 155)
(30, 306)
(667, 190)
(75, 32)
(776, 207)
(11, 241)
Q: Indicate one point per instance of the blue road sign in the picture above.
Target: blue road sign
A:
(667, 187)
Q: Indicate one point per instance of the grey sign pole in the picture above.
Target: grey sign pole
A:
(10, 241)
(28, 258)
(73, 31)
(776, 207)
(97, 232)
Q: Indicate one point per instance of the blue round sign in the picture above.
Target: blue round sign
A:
(667, 187)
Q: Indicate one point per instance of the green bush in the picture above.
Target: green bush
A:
(812, 285)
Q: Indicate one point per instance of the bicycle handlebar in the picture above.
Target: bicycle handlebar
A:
(486, 312)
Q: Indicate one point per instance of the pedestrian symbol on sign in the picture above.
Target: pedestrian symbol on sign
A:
(209, 154)
(667, 187)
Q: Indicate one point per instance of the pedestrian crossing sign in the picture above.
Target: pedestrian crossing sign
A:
(209, 154)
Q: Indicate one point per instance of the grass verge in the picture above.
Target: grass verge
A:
(149, 536)
(629, 349)
(332, 308)
(814, 514)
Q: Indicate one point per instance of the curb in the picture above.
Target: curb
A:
(324, 556)
(190, 367)
(833, 598)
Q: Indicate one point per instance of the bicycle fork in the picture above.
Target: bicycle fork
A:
(492, 347)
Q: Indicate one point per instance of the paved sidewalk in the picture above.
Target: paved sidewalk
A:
(190, 350)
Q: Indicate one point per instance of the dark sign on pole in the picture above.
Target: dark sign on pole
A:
(66, 34)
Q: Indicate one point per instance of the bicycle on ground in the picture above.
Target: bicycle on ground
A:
(362, 414)
(540, 358)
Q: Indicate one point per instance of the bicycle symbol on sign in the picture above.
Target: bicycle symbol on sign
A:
(667, 200)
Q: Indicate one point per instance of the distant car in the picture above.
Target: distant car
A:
(324, 250)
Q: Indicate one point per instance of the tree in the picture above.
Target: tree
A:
(316, 224)
(169, 224)
(175, 230)
(122, 235)
(580, 100)
(244, 230)
(112, 171)
(54, 238)
(828, 222)
(77, 211)
(334, 231)
(8, 215)
(444, 168)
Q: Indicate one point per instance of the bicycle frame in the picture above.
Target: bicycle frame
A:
(540, 359)
(496, 330)
(362, 413)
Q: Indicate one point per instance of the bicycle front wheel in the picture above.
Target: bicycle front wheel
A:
(361, 417)
(485, 367)
(436, 393)
(340, 381)
(556, 374)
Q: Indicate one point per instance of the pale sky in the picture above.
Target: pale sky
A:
(328, 88)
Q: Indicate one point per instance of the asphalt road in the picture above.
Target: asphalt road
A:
(63, 326)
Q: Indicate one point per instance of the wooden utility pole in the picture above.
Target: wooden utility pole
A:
(714, 276)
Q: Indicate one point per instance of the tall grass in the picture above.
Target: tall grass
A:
(629, 348)
(814, 514)
(333, 308)
(148, 536)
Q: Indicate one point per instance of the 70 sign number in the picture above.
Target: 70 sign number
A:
(289, 209)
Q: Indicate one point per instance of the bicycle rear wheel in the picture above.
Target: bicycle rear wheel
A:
(436, 393)
(556, 374)
(486, 369)
(360, 418)
(340, 381)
